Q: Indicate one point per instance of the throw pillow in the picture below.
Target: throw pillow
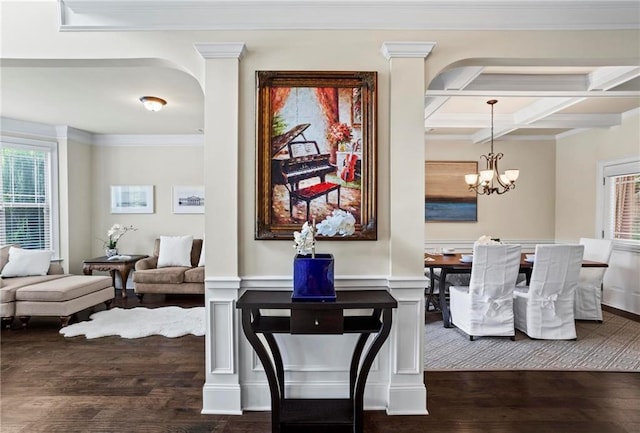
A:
(4, 254)
(23, 263)
(201, 261)
(175, 251)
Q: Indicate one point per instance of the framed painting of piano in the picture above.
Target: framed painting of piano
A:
(316, 150)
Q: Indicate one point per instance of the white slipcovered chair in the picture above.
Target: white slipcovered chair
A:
(485, 307)
(544, 310)
(589, 291)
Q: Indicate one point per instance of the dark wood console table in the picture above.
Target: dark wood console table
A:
(121, 266)
(317, 415)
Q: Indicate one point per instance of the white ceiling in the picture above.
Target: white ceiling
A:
(538, 102)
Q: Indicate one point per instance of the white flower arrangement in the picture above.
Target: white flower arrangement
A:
(487, 240)
(115, 233)
(340, 222)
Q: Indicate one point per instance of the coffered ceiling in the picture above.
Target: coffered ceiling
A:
(534, 101)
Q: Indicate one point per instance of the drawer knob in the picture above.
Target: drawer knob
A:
(316, 322)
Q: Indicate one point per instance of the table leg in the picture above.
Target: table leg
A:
(272, 379)
(444, 306)
(358, 396)
(124, 276)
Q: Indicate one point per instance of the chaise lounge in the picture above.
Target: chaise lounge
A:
(48, 293)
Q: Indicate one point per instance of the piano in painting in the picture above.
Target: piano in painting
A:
(294, 159)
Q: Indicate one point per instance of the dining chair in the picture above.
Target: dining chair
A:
(544, 309)
(485, 306)
(589, 291)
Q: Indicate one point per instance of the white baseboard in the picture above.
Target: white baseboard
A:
(407, 400)
(221, 400)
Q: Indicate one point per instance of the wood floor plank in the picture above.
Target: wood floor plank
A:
(54, 384)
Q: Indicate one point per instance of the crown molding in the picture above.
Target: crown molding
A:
(148, 140)
(221, 50)
(24, 128)
(118, 15)
(406, 49)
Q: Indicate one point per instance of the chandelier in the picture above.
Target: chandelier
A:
(490, 180)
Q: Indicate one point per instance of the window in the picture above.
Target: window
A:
(28, 212)
(621, 201)
(626, 216)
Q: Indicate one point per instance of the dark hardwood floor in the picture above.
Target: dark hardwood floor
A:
(54, 384)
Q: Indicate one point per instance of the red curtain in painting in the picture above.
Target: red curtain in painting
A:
(328, 97)
(278, 97)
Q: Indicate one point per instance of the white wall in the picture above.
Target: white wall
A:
(576, 206)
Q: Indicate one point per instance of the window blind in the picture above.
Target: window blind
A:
(626, 208)
(25, 203)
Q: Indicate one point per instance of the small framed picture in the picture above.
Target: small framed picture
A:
(132, 199)
(188, 199)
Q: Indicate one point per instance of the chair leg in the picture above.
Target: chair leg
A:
(140, 296)
(7, 321)
(108, 303)
(471, 337)
(513, 338)
(24, 320)
(64, 320)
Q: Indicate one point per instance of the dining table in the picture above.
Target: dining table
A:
(453, 264)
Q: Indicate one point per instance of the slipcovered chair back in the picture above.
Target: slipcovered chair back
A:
(588, 297)
(196, 247)
(485, 307)
(545, 311)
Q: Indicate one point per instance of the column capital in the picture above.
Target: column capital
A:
(220, 50)
(406, 49)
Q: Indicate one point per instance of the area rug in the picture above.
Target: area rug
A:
(613, 345)
(140, 322)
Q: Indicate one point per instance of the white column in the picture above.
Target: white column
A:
(407, 392)
(221, 391)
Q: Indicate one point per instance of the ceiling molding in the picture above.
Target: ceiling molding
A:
(148, 140)
(117, 15)
(221, 50)
(420, 50)
(23, 128)
(472, 120)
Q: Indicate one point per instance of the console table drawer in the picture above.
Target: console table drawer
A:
(317, 321)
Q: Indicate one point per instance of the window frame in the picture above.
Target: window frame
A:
(607, 170)
(52, 148)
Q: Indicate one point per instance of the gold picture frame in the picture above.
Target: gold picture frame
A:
(316, 152)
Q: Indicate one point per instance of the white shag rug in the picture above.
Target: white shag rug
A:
(140, 322)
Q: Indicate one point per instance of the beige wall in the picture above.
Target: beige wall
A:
(525, 213)
(577, 164)
(160, 166)
(79, 205)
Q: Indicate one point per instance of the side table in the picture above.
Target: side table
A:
(317, 415)
(122, 266)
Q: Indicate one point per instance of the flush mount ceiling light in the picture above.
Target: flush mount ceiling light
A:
(491, 180)
(153, 103)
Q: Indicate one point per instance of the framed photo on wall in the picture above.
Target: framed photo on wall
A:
(188, 199)
(316, 150)
(447, 196)
(132, 199)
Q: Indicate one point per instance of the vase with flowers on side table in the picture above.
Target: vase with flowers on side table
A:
(112, 261)
(313, 273)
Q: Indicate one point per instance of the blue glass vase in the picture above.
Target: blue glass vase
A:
(313, 278)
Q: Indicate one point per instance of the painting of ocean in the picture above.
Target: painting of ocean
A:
(450, 211)
(447, 196)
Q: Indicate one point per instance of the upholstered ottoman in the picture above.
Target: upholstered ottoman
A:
(63, 297)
